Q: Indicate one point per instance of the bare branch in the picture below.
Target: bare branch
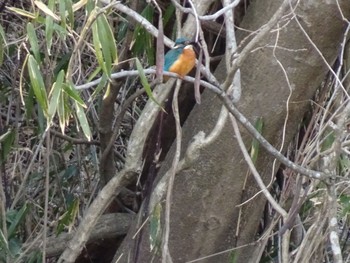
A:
(255, 173)
(239, 116)
(207, 17)
(250, 128)
(165, 248)
(234, 90)
(108, 226)
(258, 37)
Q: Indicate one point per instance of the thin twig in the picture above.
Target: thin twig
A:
(257, 39)
(255, 173)
(112, 188)
(207, 17)
(73, 140)
(234, 90)
(21, 191)
(268, 147)
(143, 22)
(336, 77)
(195, 14)
(118, 122)
(166, 258)
(128, 73)
(47, 187)
(81, 41)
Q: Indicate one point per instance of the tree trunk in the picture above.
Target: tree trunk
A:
(204, 212)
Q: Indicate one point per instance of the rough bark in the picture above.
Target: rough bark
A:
(204, 211)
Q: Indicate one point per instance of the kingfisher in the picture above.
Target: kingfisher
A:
(181, 59)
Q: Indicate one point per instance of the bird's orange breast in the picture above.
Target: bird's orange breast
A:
(185, 63)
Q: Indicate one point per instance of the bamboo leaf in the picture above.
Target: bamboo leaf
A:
(37, 83)
(110, 38)
(328, 141)
(33, 40)
(7, 140)
(79, 5)
(21, 12)
(104, 42)
(49, 28)
(19, 216)
(62, 12)
(98, 47)
(84, 124)
(45, 9)
(73, 94)
(145, 83)
(4, 246)
(68, 218)
(55, 95)
(168, 14)
(103, 37)
(144, 40)
(69, 9)
(99, 87)
(155, 228)
(2, 44)
(61, 112)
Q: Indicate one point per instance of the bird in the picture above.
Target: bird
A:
(181, 58)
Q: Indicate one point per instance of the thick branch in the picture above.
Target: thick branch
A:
(108, 226)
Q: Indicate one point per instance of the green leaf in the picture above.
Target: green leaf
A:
(328, 141)
(68, 218)
(62, 63)
(145, 83)
(33, 40)
(73, 94)
(144, 40)
(104, 43)
(84, 124)
(61, 112)
(94, 74)
(112, 47)
(98, 46)
(344, 163)
(4, 246)
(168, 14)
(107, 56)
(62, 11)
(2, 44)
(6, 140)
(35, 257)
(155, 228)
(15, 246)
(69, 8)
(4, 136)
(19, 216)
(344, 201)
(100, 86)
(55, 95)
(49, 27)
(37, 83)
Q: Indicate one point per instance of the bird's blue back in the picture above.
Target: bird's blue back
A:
(171, 56)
